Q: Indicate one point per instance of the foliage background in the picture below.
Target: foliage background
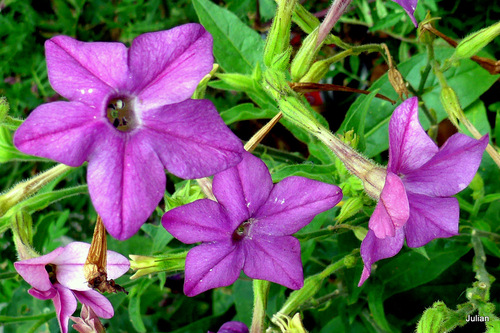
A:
(399, 290)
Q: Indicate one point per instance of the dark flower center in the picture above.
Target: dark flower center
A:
(51, 269)
(242, 230)
(120, 113)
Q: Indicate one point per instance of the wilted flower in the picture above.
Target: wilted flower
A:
(415, 202)
(249, 227)
(233, 327)
(130, 117)
(88, 322)
(59, 276)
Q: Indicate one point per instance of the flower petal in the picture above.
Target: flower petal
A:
(243, 189)
(168, 65)
(450, 170)
(409, 6)
(275, 259)
(409, 146)
(392, 210)
(65, 304)
(33, 270)
(374, 249)
(70, 262)
(126, 182)
(431, 218)
(44, 295)
(200, 221)
(191, 139)
(62, 131)
(233, 327)
(292, 204)
(86, 72)
(212, 265)
(97, 302)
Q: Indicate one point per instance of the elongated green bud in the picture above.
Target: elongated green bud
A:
(199, 93)
(433, 318)
(350, 207)
(305, 57)
(21, 226)
(4, 109)
(278, 39)
(451, 105)
(238, 82)
(473, 43)
(144, 265)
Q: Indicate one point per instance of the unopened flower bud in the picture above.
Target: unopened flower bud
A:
(144, 265)
(432, 320)
(199, 93)
(282, 61)
(238, 82)
(473, 43)
(278, 39)
(305, 57)
(317, 71)
(289, 325)
(21, 226)
(451, 105)
(350, 207)
(424, 35)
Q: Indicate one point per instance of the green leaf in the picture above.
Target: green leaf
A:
(246, 111)
(376, 306)
(237, 47)
(160, 236)
(468, 80)
(134, 306)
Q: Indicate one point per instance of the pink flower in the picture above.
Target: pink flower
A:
(59, 276)
(249, 228)
(130, 116)
(415, 203)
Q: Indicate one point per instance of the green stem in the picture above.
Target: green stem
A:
(12, 123)
(260, 294)
(9, 319)
(8, 275)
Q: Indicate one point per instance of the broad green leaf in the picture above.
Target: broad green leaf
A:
(468, 80)
(376, 306)
(237, 47)
(410, 269)
(245, 111)
(160, 236)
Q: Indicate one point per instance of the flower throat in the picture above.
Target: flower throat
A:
(120, 113)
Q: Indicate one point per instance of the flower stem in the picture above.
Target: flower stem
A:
(260, 294)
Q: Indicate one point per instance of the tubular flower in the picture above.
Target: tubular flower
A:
(233, 327)
(59, 276)
(409, 6)
(415, 203)
(130, 116)
(249, 227)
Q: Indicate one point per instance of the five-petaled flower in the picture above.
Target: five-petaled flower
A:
(130, 116)
(415, 202)
(59, 276)
(249, 228)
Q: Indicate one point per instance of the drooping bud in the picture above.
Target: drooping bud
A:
(473, 43)
(278, 38)
(398, 83)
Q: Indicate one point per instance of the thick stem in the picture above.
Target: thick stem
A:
(260, 294)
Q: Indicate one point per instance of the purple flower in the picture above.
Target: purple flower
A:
(233, 327)
(130, 117)
(249, 227)
(409, 6)
(59, 276)
(415, 202)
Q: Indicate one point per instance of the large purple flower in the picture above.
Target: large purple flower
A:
(415, 202)
(249, 227)
(409, 6)
(59, 276)
(130, 117)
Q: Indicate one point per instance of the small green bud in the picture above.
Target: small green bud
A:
(350, 261)
(4, 109)
(473, 43)
(238, 82)
(144, 265)
(305, 57)
(431, 321)
(424, 35)
(186, 194)
(451, 105)
(21, 226)
(199, 93)
(350, 207)
(282, 61)
(317, 71)
(477, 186)
(278, 39)
(360, 232)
